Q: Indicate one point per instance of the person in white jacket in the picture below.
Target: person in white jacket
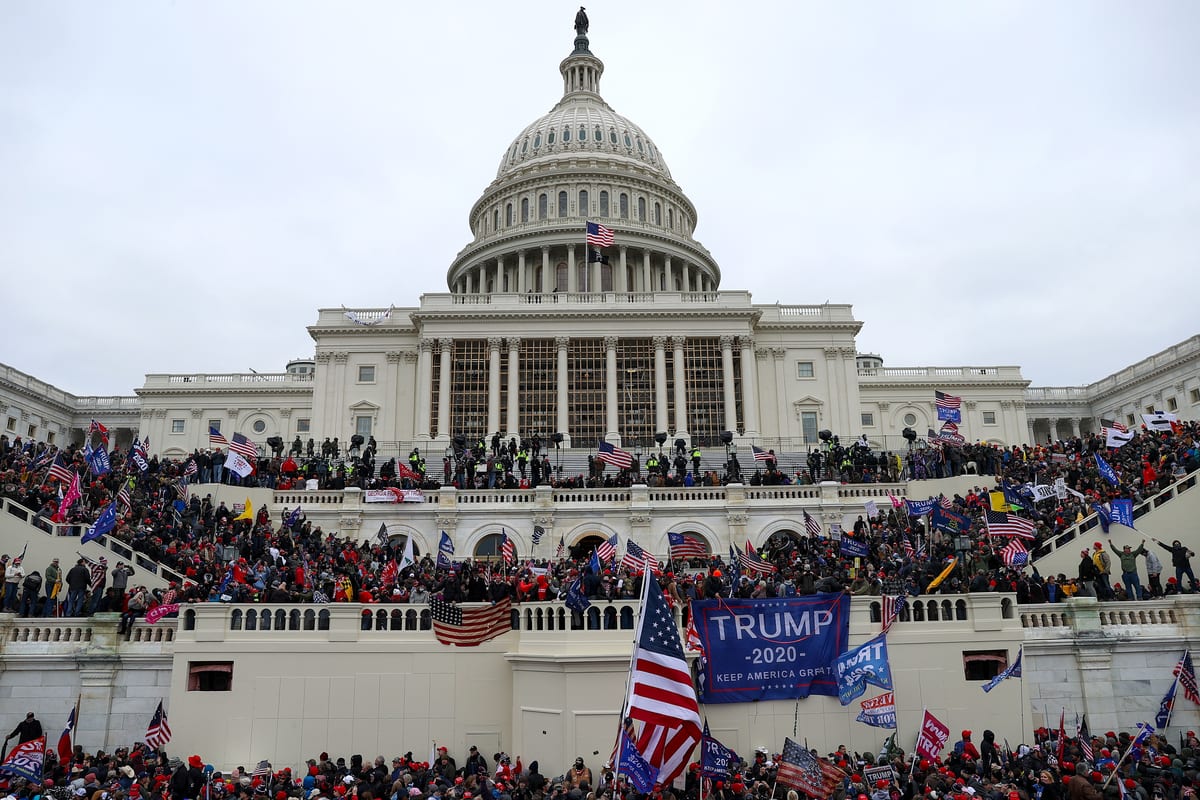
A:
(1154, 569)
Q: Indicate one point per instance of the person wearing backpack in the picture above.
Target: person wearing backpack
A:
(31, 588)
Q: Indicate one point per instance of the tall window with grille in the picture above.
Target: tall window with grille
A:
(435, 390)
(705, 390)
(635, 392)
(585, 382)
(538, 373)
(469, 389)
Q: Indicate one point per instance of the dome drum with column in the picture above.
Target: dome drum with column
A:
(582, 161)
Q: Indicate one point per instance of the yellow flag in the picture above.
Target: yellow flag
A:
(998, 502)
(936, 582)
(247, 514)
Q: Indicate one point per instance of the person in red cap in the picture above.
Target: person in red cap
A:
(965, 748)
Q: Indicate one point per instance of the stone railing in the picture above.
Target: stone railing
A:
(1171, 617)
(94, 636)
(919, 374)
(220, 381)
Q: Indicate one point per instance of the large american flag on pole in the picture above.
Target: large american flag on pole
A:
(215, 439)
(636, 559)
(1187, 677)
(159, 732)
(243, 447)
(607, 549)
(1014, 554)
(1001, 523)
(609, 454)
(661, 694)
(598, 235)
(58, 469)
(811, 526)
(948, 407)
(684, 546)
(801, 769)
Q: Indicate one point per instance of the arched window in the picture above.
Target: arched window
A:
(641, 209)
(566, 135)
(495, 220)
(562, 204)
(624, 206)
(560, 277)
(658, 213)
(524, 209)
(584, 210)
(490, 546)
(508, 215)
(671, 218)
(543, 205)
(604, 204)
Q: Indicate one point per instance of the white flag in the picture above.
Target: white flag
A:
(872, 509)
(1159, 420)
(1114, 437)
(1041, 492)
(407, 560)
(236, 463)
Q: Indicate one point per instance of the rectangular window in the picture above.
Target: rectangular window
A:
(1195, 395)
(808, 426)
(804, 369)
(1172, 404)
(12, 424)
(1129, 420)
(868, 420)
(176, 426)
(983, 665)
(32, 431)
(1149, 409)
(215, 424)
(362, 426)
(303, 425)
(210, 676)
(49, 438)
(989, 418)
(366, 374)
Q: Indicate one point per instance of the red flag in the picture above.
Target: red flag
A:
(64, 742)
(932, 738)
(1062, 734)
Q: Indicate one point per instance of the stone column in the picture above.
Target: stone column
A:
(671, 284)
(547, 280)
(514, 385)
(446, 347)
(777, 353)
(424, 388)
(621, 280)
(494, 345)
(1075, 426)
(561, 383)
(647, 284)
(749, 386)
(612, 432)
(522, 277)
(470, 280)
(681, 415)
(391, 405)
(501, 275)
(1032, 434)
(1053, 423)
(730, 399)
(572, 278)
(660, 384)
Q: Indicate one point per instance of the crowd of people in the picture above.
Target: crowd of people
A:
(229, 556)
(1055, 766)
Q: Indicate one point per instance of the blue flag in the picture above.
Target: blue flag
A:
(854, 547)
(919, 508)
(97, 459)
(735, 571)
(1013, 671)
(1103, 515)
(594, 564)
(1106, 471)
(1013, 498)
(1163, 717)
(103, 524)
(1122, 512)
(445, 551)
(865, 664)
(949, 521)
(576, 599)
(632, 765)
(293, 518)
(716, 760)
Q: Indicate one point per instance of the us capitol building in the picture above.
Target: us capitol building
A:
(631, 343)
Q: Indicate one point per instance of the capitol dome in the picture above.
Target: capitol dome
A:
(582, 162)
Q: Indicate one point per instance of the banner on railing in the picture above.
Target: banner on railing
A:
(393, 495)
(771, 649)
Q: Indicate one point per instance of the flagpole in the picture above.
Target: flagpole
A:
(913, 766)
(1117, 768)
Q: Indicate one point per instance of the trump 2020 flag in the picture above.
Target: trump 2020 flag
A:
(103, 524)
(576, 600)
(716, 760)
(235, 462)
(26, 759)
(445, 551)
(1122, 512)
(1013, 671)
(879, 712)
(1106, 470)
(632, 765)
(867, 663)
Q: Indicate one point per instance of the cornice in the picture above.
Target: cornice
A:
(626, 312)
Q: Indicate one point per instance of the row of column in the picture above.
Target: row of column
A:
(1052, 424)
(644, 276)
(511, 424)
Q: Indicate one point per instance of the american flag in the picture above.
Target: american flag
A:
(692, 637)
(684, 546)
(761, 455)
(811, 526)
(243, 446)
(661, 694)
(1000, 523)
(468, 627)
(215, 439)
(946, 402)
(801, 769)
(191, 468)
(1085, 739)
(892, 604)
(1187, 677)
(562, 547)
(58, 469)
(751, 562)
(598, 235)
(1112, 423)
(262, 770)
(613, 455)
(123, 495)
(906, 543)
(159, 732)
(538, 533)
(636, 559)
(1014, 554)
(181, 488)
(607, 549)
(508, 550)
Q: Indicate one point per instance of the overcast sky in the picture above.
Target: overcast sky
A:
(183, 184)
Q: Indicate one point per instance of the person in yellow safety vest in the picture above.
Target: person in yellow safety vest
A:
(696, 462)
